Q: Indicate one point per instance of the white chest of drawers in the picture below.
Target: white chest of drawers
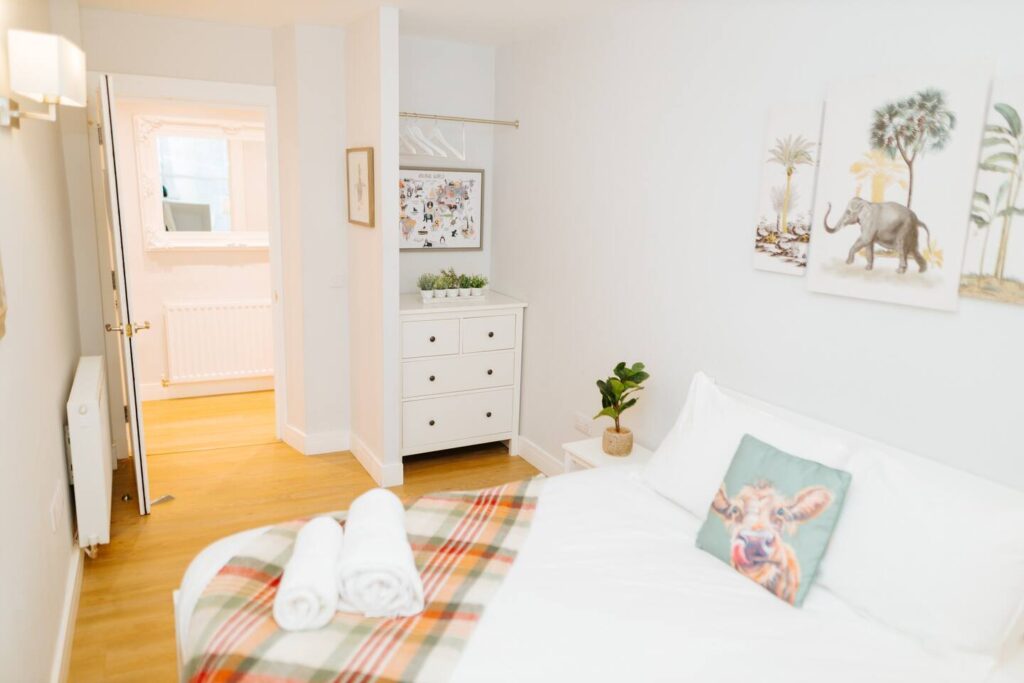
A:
(461, 367)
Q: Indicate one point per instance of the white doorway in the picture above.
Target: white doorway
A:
(192, 231)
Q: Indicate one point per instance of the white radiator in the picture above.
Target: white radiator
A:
(91, 455)
(210, 341)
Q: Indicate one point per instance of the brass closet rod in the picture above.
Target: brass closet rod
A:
(464, 119)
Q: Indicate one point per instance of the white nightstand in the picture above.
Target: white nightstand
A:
(587, 454)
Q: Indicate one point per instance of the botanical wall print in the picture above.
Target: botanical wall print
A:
(786, 200)
(441, 208)
(897, 172)
(359, 171)
(994, 256)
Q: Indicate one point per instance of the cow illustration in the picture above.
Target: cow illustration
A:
(758, 517)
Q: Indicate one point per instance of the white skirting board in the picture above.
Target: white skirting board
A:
(539, 458)
(318, 443)
(69, 613)
(384, 474)
(155, 391)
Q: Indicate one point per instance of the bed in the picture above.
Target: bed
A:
(609, 586)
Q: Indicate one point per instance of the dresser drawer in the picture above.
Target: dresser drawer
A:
(451, 418)
(489, 333)
(430, 337)
(457, 373)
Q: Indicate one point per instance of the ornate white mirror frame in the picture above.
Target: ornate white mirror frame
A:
(156, 237)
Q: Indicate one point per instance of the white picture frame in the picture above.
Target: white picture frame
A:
(156, 237)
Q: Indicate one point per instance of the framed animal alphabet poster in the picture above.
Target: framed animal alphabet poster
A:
(359, 172)
(441, 208)
(898, 161)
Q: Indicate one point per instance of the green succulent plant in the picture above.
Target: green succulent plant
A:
(448, 279)
(427, 282)
(617, 392)
(477, 281)
(465, 281)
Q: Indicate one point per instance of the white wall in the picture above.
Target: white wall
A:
(442, 77)
(371, 87)
(160, 277)
(309, 64)
(38, 356)
(640, 153)
(121, 42)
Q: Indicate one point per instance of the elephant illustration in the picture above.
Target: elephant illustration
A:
(889, 224)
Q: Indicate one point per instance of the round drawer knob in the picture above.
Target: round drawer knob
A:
(490, 334)
(431, 423)
(431, 378)
(488, 413)
(433, 338)
(489, 371)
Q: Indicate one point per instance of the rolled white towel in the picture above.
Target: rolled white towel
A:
(377, 573)
(307, 597)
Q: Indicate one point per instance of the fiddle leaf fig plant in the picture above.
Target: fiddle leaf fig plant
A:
(617, 392)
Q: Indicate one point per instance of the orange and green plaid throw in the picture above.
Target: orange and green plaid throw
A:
(464, 544)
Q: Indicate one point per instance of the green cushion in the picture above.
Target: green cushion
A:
(772, 518)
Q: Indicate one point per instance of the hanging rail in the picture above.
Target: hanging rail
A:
(464, 119)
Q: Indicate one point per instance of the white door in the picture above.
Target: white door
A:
(119, 321)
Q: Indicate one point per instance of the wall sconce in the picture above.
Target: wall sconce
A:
(45, 68)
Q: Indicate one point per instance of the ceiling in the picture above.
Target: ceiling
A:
(478, 21)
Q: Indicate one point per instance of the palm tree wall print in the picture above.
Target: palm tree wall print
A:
(899, 154)
(993, 265)
(783, 230)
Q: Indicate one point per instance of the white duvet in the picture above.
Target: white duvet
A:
(610, 587)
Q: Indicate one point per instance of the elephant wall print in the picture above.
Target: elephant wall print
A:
(898, 158)
(887, 224)
(789, 170)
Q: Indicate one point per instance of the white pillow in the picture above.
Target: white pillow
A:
(692, 460)
(929, 550)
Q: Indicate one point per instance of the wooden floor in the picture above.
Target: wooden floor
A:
(125, 627)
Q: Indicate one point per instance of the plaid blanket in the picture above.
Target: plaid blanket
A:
(464, 544)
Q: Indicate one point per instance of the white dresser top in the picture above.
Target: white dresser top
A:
(413, 303)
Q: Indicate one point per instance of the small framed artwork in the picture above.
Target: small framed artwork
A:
(359, 171)
(441, 208)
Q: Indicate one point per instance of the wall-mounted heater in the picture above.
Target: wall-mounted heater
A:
(91, 454)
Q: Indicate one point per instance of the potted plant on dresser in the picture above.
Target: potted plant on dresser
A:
(616, 398)
(426, 284)
(449, 281)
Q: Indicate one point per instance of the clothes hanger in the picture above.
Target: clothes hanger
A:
(437, 135)
(421, 139)
(404, 142)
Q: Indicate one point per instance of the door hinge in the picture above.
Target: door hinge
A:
(126, 418)
(113, 279)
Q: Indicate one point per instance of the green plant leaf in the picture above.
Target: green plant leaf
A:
(982, 196)
(980, 221)
(1011, 211)
(616, 385)
(994, 168)
(1002, 156)
(992, 141)
(1011, 116)
(608, 412)
(627, 405)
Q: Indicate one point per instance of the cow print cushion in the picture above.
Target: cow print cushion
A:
(773, 516)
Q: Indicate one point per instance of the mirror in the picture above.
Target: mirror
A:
(203, 182)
